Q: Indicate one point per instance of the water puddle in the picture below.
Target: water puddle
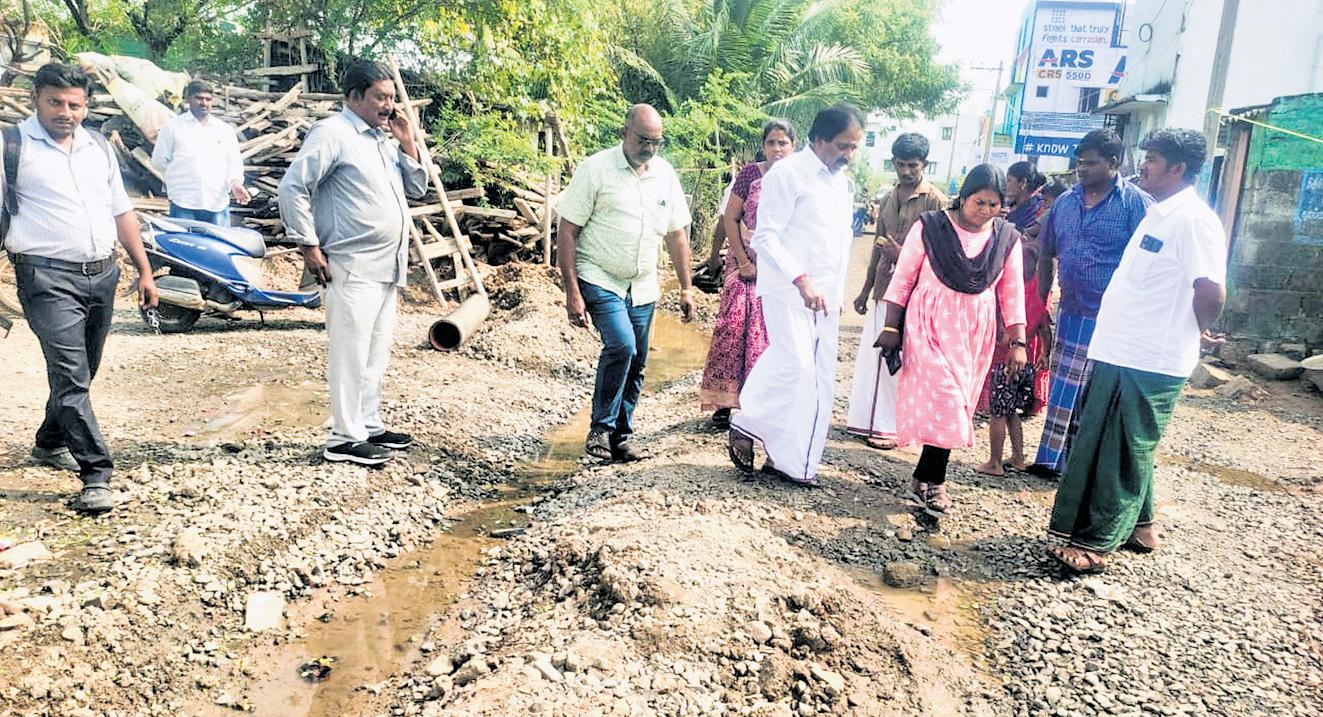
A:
(945, 609)
(371, 635)
(270, 404)
(1228, 475)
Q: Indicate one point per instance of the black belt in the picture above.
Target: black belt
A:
(86, 268)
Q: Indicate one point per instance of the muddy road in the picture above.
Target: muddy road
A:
(492, 572)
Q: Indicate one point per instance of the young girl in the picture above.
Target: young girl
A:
(1014, 397)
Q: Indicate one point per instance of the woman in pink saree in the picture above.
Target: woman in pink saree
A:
(739, 337)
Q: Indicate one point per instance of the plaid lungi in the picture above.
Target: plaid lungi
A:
(1069, 367)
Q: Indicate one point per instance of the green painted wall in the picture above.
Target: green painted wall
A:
(1275, 150)
(1275, 289)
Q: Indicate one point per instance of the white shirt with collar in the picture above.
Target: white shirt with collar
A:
(200, 161)
(1146, 321)
(67, 199)
(803, 228)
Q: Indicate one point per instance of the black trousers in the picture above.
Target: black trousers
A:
(70, 313)
(932, 465)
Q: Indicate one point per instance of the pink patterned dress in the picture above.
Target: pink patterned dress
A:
(739, 337)
(948, 341)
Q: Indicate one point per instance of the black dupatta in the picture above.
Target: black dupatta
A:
(946, 256)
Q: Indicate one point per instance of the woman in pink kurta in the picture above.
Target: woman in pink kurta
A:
(955, 269)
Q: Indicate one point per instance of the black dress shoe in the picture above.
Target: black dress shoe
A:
(391, 439)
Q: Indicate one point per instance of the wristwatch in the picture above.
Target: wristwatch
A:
(1018, 344)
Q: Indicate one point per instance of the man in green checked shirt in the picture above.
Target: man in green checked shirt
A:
(621, 205)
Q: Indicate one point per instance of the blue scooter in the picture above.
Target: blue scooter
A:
(213, 270)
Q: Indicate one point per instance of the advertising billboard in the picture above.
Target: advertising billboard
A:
(1073, 59)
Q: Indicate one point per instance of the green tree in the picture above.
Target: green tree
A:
(798, 55)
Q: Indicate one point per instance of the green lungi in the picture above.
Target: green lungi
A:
(1106, 490)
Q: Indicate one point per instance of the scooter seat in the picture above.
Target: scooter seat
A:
(246, 240)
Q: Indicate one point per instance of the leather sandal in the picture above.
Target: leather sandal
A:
(739, 447)
(1081, 560)
(1144, 539)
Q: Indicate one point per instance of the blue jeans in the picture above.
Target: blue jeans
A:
(624, 331)
(221, 218)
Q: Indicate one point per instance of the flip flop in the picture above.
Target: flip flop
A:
(1092, 564)
(880, 444)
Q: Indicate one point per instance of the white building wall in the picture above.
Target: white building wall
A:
(1277, 51)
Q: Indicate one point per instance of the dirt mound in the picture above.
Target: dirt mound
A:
(706, 609)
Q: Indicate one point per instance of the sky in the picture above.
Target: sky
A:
(979, 32)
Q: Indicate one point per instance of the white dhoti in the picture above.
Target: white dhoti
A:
(360, 323)
(872, 411)
(786, 401)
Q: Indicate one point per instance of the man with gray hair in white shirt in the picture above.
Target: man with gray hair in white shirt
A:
(65, 206)
(344, 202)
(803, 244)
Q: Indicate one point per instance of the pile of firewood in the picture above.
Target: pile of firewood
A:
(272, 126)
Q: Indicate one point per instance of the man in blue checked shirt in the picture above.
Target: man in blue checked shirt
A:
(1086, 233)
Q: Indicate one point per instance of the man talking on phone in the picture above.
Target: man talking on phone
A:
(343, 201)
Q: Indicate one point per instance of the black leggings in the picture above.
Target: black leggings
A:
(932, 465)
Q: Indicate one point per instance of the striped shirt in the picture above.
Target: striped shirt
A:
(1088, 244)
(67, 198)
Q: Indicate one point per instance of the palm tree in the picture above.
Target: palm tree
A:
(784, 47)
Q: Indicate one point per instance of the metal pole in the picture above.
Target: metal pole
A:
(1217, 84)
(955, 139)
(992, 115)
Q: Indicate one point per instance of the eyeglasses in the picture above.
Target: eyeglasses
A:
(648, 141)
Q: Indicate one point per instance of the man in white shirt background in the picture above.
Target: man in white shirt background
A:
(199, 155)
(1155, 317)
(803, 245)
(71, 208)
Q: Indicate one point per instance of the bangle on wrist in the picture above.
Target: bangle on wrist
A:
(890, 330)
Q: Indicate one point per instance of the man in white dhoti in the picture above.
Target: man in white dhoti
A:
(872, 414)
(802, 243)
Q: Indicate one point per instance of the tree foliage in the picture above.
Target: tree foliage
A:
(798, 55)
(716, 68)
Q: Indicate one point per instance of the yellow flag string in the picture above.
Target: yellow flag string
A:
(1265, 125)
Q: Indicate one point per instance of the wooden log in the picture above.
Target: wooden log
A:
(417, 238)
(151, 204)
(283, 70)
(490, 213)
(532, 198)
(459, 195)
(145, 160)
(526, 211)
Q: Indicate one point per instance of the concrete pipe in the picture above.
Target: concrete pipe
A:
(448, 333)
